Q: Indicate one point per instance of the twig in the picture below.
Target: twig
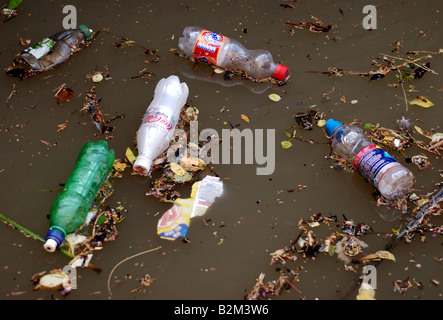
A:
(403, 88)
(127, 39)
(294, 287)
(412, 61)
(124, 260)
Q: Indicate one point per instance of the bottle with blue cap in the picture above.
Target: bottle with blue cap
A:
(49, 52)
(70, 208)
(393, 180)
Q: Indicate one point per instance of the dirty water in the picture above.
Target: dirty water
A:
(256, 215)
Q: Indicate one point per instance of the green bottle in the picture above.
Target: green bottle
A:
(70, 209)
(14, 4)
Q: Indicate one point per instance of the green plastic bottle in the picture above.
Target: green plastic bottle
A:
(14, 4)
(70, 209)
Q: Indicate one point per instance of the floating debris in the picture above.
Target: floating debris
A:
(91, 106)
(274, 97)
(312, 26)
(63, 94)
(366, 292)
(422, 102)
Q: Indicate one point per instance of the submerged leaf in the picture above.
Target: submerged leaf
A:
(244, 117)
(286, 144)
(274, 97)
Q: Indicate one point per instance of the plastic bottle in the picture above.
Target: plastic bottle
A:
(393, 180)
(70, 208)
(159, 122)
(227, 53)
(13, 4)
(50, 52)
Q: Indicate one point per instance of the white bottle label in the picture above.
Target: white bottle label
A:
(372, 162)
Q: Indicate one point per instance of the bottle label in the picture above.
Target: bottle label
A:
(42, 48)
(159, 119)
(207, 46)
(372, 162)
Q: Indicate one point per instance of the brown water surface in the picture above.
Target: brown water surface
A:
(256, 214)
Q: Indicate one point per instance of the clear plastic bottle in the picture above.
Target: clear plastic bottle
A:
(159, 122)
(227, 53)
(392, 179)
(70, 208)
(50, 52)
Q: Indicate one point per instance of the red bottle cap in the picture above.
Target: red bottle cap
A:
(281, 72)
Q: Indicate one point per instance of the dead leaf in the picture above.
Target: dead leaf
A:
(343, 99)
(61, 126)
(422, 102)
(385, 255)
(63, 94)
(419, 130)
(178, 169)
(130, 155)
(244, 117)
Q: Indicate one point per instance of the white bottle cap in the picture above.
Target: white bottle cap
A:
(50, 245)
(142, 165)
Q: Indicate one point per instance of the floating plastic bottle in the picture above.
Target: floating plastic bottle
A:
(159, 122)
(70, 209)
(227, 53)
(392, 179)
(13, 4)
(50, 52)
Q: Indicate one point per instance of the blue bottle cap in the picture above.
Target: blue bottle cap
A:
(332, 125)
(54, 238)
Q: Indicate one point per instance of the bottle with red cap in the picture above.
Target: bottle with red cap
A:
(227, 53)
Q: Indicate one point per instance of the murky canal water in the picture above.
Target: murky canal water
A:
(257, 214)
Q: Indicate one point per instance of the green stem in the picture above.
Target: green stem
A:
(30, 233)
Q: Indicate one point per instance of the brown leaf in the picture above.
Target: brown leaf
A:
(343, 98)
(64, 95)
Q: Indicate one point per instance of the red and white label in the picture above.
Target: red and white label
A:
(158, 120)
(207, 46)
